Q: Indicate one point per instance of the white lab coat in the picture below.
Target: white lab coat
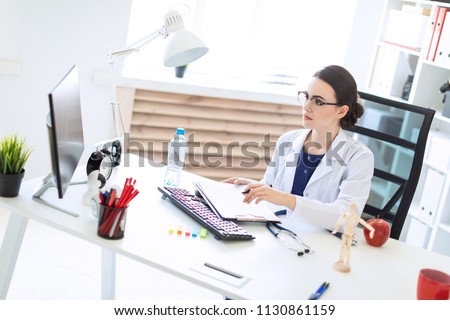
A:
(343, 176)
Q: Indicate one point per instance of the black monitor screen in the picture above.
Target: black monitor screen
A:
(65, 128)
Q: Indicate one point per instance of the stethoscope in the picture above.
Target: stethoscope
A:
(277, 230)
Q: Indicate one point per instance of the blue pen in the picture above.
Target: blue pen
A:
(316, 295)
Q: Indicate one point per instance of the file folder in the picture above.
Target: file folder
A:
(429, 35)
(437, 34)
(400, 21)
(226, 200)
(429, 201)
(443, 49)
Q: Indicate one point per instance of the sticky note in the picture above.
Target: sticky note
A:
(180, 230)
(203, 233)
(171, 231)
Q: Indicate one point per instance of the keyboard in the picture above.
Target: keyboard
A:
(196, 208)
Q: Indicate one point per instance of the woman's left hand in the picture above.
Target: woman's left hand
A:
(259, 192)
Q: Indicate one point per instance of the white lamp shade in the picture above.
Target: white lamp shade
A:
(183, 47)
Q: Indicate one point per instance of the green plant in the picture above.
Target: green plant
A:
(14, 153)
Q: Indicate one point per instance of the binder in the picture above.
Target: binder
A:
(437, 34)
(429, 201)
(443, 48)
(226, 200)
(415, 24)
(430, 33)
(390, 72)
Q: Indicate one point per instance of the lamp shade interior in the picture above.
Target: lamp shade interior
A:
(183, 48)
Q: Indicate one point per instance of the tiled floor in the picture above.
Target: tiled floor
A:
(54, 265)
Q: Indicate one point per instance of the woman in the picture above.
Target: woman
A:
(316, 173)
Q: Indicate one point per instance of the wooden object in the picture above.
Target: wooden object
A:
(351, 219)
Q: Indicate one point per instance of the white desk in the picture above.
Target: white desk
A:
(274, 272)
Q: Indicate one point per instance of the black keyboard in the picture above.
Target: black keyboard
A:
(202, 213)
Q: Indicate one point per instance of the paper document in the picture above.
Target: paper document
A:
(226, 200)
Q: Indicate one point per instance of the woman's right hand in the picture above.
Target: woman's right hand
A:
(237, 180)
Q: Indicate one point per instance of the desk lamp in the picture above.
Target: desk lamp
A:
(183, 48)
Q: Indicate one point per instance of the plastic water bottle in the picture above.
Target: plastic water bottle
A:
(175, 159)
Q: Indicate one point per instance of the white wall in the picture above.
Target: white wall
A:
(362, 43)
(45, 38)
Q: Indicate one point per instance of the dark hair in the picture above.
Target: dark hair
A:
(344, 86)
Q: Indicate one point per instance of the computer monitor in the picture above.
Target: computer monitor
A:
(65, 133)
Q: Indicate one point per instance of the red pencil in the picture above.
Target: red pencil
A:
(111, 219)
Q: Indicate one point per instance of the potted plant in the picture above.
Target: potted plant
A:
(14, 153)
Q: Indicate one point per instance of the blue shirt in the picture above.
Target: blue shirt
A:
(306, 165)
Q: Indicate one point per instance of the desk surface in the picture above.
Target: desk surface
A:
(273, 271)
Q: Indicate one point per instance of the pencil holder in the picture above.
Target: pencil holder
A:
(111, 222)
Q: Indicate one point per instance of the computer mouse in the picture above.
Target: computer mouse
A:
(198, 194)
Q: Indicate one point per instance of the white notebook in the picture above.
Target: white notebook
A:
(226, 200)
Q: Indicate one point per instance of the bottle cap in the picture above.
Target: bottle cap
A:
(180, 131)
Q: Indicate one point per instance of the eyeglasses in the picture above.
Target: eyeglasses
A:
(304, 98)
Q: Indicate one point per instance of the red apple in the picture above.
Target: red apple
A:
(382, 232)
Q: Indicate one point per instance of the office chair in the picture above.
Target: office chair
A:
(396, 132)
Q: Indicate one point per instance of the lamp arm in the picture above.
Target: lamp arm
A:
(121, 53)
(138, 44)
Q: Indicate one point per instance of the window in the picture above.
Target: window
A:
(253, 41)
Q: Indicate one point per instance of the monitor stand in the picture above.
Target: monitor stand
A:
(47, 183)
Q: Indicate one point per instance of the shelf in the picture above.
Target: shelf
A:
(414, 211)
(440, 117)
(399, 48)
(434, 64)
(432, 165)
(445, 227)
(387, 96)
(391, 66)
(430, 3)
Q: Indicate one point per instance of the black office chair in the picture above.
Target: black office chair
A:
(396, 132)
